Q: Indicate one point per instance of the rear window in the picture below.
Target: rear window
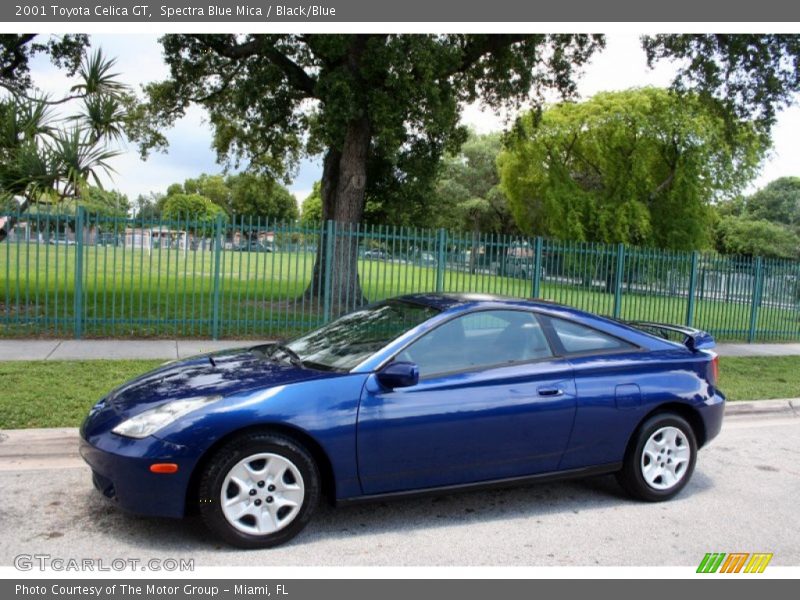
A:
(659, 331)
(576, 338)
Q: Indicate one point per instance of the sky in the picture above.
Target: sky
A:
(620, 66)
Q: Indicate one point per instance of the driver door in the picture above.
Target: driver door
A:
(492, 403)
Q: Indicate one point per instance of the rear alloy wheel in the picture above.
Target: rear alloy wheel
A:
(259, 491)
(661, 460)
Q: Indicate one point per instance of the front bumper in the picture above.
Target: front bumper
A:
(121, 472)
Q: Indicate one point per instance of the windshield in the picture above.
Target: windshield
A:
(345, 342)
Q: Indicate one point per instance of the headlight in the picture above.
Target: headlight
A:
(150, 421)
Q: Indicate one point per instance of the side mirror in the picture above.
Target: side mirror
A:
(398, 375)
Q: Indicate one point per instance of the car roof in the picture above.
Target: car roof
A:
(447, 300)
(456, 302)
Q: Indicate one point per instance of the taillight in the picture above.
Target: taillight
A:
(714, 370)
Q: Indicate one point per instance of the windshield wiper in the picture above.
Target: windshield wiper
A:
(294, 357)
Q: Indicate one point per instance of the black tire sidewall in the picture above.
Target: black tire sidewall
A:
(226, 458)
(631, 476)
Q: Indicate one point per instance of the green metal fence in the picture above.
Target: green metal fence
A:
(88, 275)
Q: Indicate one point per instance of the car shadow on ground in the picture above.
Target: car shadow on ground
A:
(541, 501)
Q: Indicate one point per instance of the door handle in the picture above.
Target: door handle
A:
(550, 391)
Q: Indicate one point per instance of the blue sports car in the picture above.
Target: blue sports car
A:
(426, 392)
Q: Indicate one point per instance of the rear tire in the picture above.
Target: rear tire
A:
(259, 490)
(660, 459)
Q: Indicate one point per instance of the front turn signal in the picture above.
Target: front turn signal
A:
(164, 468)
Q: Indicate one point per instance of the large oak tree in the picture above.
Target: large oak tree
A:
(380, 109)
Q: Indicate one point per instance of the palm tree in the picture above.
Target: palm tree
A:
(43, 159)
(79, 158)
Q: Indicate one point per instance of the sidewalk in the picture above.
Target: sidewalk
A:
(171, 349)
(112, 349)
(758, 349)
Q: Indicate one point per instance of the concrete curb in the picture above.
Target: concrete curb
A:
(785, 407)
(33, 449)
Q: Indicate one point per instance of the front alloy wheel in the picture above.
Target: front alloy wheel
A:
(262, 494)
(660, 459)
(259, 490)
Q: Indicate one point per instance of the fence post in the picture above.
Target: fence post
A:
(692, 288)
(758, 275)
(537, 267)
(330, 232)
(441, 242)
(218, 243)
(618, 280)
(78, 287)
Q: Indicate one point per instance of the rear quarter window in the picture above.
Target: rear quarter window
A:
(576, 338)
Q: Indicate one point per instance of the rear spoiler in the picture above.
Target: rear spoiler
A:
(693, 339)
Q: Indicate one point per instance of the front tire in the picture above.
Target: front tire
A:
(259, 490)
(661, 458)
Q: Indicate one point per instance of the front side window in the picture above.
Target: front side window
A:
(347, 341)
(577, 338)
(479, 340)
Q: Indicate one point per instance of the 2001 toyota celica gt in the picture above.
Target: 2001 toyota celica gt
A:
(417, 393)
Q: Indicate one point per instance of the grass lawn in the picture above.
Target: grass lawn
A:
(59, 393)
(760, 377)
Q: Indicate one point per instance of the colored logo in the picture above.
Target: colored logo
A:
(735, 562)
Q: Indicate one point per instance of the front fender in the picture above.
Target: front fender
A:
(324, 410)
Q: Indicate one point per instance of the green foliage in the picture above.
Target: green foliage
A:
(49, 156)
(468, 193)
(95, 200)
(78, 158)
(311, 210)
(194, 207)
(766, 223)
(148, 207)
(110, 203)
(777, 202)
(640, 167)
(743, 76)
(17, 50)
(175, 188)
(259, 196)
(211, 187)
(244, 195)
(749, 237)
(446, 197)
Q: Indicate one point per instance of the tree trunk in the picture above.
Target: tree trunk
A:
(344, 178)
(473, 253)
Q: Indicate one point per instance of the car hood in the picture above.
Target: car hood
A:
(221, 373)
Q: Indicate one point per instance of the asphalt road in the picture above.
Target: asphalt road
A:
(743, 498)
